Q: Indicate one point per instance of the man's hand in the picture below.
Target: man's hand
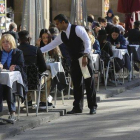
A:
(12, 67)
(84, 61)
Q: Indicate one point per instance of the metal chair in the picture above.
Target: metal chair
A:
(69, 84)
(32, 71)
(96, 64)
(110, 66)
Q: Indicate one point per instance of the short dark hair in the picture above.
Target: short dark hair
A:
(102, 36)
(115, 29)
(100, 19)
(90, 19)
(23, 36)
(54, 30)
(61, 18)
(137, 24)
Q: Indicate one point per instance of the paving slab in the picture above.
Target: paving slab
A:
(31, 121)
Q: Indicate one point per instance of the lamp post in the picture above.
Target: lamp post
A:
(78, 12)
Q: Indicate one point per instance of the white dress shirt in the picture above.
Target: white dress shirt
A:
(80, 32)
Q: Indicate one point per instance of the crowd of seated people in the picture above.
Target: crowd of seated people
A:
(104, 33)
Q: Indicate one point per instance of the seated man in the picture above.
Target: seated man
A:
(33, 55)
(134, 34)
(12, 31)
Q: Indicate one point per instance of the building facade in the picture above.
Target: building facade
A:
(55, 7)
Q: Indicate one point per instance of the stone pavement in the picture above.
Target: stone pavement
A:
(117, 118)
(32, 121)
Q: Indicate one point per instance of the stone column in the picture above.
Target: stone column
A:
(18, 9)
(46, 13)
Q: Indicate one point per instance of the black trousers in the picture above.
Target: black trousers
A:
(77, 79)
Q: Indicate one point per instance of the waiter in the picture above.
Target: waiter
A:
(78, 45)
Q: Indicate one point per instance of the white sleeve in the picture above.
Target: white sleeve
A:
(122, 29)
(56, 42)
(81, 32)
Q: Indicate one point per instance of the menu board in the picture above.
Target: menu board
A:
(2, 16)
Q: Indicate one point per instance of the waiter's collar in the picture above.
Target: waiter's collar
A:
(68, 28)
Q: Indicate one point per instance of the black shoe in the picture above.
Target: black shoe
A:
(73, 111)
(42, 105)
(92, 111)
(29, 103)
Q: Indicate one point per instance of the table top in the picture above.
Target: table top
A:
(119, 53)
(8, 78)
(55, 68)
(136, 46)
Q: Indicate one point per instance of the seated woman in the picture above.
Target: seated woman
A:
(45, 38)
(94, 42)
(11, 59)
(116, 39)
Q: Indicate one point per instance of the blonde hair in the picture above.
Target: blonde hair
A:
(9, 38)
(92, 39)
(116, 19)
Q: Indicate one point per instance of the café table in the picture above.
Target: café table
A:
(123, 55)
(14, 82)
(58, 78)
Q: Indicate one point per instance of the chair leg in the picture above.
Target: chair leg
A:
(62, 97)
(46, 93)
(18, 106)
(38, 99)
(107, 75)
(27, 110)
(114, 72)
(104, 73)
(98, 82)
(69, 88)
(55, 95)
(123, 75)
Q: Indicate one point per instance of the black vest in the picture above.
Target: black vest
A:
(74, 44)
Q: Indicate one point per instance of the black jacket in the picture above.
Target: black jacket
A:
(18, 60)
(134, 36)
(33, 55)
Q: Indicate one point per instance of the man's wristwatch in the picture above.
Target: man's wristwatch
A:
(85, 55)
